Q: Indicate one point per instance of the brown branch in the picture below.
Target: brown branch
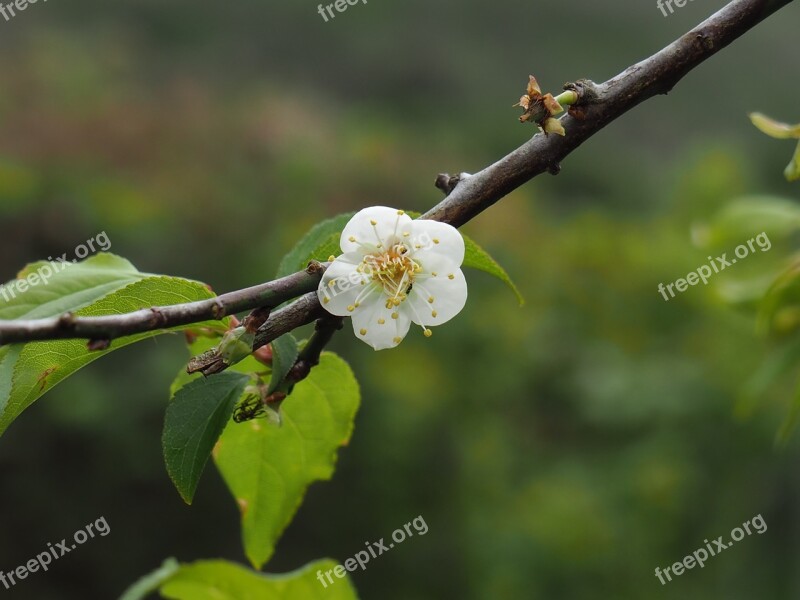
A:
(105, 328)
(599, 104)
(302, 311)
(467, 195)
(603, 103)
(310, 354)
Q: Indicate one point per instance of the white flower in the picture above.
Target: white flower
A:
(395, 270)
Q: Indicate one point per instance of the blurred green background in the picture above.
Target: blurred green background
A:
(560, 450)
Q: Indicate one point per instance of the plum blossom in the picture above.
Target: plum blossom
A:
(393, 271)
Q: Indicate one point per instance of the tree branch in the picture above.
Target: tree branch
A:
(467, 195)
(607, 101)
(310, 354)
(301, 312)
(268, 404)
(106, 328)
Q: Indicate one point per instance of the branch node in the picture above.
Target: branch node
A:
(98, 344)
(447, 183)
(315, 267)
(586, 90)
(704, 39)
(256, 319)
(218, 311)
(66, 320)
(207, 363)
(158, 318)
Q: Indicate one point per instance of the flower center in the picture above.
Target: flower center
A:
(393, 270)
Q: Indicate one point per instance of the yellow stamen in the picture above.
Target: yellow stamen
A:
(351, 308)
(428, 333)
(363, 332)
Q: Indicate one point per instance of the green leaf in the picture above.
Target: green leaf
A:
(236, 345)
(792, 170)
(783, 131)
(152, 581)
(268, 469)
(284, 355)
(102, 285)
(195, 418)
(319, 243)
(477, 258)
(198, 346)
(222, 580)
(71, 286)
(779, 310)
(774, 128)
(745, 218)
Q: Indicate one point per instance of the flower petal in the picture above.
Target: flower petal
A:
(434, 264)
(341, 284)
(552, 105)
(373, 226)
(436, 300)
(435, 238)
(373, 323)
(553, 125)
(533, 87)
